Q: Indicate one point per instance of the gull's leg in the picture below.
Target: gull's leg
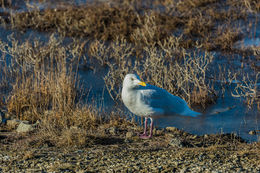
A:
(145, 127)
(151, 128)
(144, 136)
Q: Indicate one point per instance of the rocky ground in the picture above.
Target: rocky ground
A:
(121, 150)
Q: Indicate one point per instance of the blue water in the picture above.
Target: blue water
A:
(239, 119)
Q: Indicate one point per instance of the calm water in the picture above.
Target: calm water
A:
(239, 119)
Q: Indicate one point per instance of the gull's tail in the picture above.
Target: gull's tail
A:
(191, 113)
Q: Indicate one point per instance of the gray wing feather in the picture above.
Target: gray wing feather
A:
(159, 98)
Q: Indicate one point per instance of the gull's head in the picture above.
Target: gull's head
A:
(132, 81)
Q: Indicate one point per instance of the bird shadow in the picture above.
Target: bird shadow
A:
(106, 140)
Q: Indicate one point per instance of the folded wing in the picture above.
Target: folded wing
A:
(159, 98)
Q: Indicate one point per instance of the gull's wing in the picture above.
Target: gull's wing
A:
(158, 98)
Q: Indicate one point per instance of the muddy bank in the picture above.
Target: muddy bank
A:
(120, 149)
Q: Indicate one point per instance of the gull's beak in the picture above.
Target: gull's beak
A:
(142, 83)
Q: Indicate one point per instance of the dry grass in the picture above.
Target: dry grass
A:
(249, 89)
(165, 42)
(42, 79)
(101, 22)
(196, 20)
(44, 88)
(170, 67)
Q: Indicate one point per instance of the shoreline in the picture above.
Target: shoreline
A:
(120, 149)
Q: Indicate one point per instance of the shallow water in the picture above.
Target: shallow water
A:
(239, 119)
(235, 117)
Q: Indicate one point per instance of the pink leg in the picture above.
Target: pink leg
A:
(144, 136)
(151, 128)
(145, 127)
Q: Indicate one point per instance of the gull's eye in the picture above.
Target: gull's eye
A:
(132, 79)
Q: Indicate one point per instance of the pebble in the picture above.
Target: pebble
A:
(175, 142)
(206, 136)
(24, 127)
(254, 132)
(129, 135)
(137, 156)
(112, 130)
(160, 132)
(171, 129)
(12, 124)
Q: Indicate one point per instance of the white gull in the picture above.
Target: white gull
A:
(152, 102)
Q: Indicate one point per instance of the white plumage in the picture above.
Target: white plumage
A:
(152, 102)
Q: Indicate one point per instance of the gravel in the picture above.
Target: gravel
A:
(126, 159)
(176, 151)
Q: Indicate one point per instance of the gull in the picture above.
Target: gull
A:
(151, 102)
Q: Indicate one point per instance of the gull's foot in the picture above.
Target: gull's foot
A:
(144, 136)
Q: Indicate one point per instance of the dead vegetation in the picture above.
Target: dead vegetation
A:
(198, 20)
(42, 78)
(249, 89)
(165, 42)
(170, 67)
(44, 88)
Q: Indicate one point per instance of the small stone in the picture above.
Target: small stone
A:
(73, 127)
(12, 124)
(183, 170)
(215, 171)
(129, 135)
(66, 166)
(252, 132)
(23, 127)
(194, 136)
(6, 158)
(171, 129)
(112, 130)
(159, 132)
(175, 142)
